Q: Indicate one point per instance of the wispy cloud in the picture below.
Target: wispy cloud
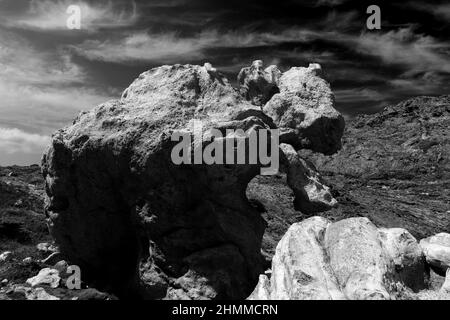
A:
(441, 11)
(24, 64)
(51, 15)
(420, 53)
(39, 92)
(166, 47)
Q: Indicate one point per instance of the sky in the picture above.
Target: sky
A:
(49, 73)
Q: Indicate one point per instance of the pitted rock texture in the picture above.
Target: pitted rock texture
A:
(139, 225)
(349, 259)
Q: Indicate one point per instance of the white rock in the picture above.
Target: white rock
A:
(46, 247)
(357, 258)
(304, 110)
(262, 290)
(5, 256)
(299, 268)
(27, 260)
(311, 194)
(208, 66)
(437, 252)
(46, 276)
(406, 254)
(348, 259)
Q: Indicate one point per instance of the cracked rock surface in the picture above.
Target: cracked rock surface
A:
(349, 259)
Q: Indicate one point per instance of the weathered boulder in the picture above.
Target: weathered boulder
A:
(349, 259)
(258, 85)
(437, 252)
(46, 276)
(304, 111)
(137, 223)
(407, 256)
(300, 270)
(311, 194)
(5, 256)
(46, 247)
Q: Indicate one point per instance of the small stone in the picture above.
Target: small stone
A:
(311, 193)
(5, 256)
(46, 276)
(27, 260)
(437, 252)
(315, 67)
(46, 247)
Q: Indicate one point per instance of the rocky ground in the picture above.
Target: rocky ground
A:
(25, 242)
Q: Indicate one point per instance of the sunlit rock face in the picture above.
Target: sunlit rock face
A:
(350, 259)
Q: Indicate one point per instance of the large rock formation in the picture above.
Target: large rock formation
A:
(139, 224)
(349, 259)
(394, 167)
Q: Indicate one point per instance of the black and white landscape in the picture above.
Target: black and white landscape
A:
(94, 206)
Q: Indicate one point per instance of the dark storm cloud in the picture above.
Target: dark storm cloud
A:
(48, 73)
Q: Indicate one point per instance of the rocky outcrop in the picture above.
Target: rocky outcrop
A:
(311, 193)
(140, 225)
(437, 252)
(349, 259)
(304, 111)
